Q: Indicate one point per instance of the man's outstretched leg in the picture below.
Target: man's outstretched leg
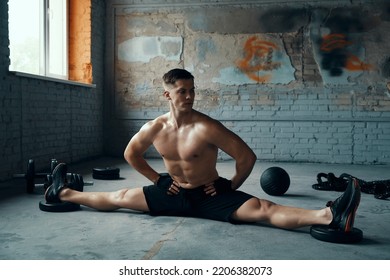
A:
(59, 191)
(133, 199)
(287, 217)
(339, 215)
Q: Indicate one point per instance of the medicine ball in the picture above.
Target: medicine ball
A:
(275, 181)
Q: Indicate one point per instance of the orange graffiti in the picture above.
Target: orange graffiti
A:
(354, 64)
(258, 57)
(334, 42)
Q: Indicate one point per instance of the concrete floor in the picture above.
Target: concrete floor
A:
(26, 233)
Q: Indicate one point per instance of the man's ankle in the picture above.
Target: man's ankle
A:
(64, 193)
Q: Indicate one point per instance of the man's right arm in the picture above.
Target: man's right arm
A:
(136, 148)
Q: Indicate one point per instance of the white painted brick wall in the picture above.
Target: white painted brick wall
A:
(308, 124)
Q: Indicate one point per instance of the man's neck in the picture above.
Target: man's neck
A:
(180, 119)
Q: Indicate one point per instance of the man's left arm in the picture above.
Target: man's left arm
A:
(245, 161)
(234, 146)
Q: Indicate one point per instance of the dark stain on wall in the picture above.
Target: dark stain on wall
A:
(334, 53)
(334, 61)
(340, 47)
(283, 20)
(337, 55)
(223, 21)
(385, 16)
(254, 20)
(350, 20)
(386, 68)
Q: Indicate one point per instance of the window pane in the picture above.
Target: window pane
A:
(57, 39)
(24, 35)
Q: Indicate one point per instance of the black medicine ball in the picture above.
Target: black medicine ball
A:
(275, 181)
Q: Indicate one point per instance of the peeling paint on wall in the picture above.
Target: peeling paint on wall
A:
(321, 45)
(145, 48)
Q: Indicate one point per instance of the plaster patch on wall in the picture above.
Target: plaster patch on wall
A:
(145, 48)
(235, 76)
(261, 59)
(232, 76)
(205, 46)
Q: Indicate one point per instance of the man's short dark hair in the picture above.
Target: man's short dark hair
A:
(173, 75)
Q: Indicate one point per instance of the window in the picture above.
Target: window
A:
(38, 36)
(51, 38)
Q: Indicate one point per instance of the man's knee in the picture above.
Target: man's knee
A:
(254, 209)
(131, 199)
(265, 206)
(119, 196)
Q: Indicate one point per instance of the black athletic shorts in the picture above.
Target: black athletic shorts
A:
(195, 202)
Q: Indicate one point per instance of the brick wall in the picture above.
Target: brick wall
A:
(303, 126)
(43, 119)
(299, 113)
(319, 94)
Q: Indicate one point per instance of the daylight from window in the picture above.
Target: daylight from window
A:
(38, 37)
(24, 35)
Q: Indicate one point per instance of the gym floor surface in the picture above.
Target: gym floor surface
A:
(26, 233)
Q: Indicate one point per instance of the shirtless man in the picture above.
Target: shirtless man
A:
(188, 141)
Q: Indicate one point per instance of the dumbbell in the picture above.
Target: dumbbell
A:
(31, 175)
(77, 181)
(74, 181)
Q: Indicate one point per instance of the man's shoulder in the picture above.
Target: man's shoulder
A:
(158, 120)
(155, 124)
(208, 122)
(203, 117)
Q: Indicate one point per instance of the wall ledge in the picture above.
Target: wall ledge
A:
(50, 79)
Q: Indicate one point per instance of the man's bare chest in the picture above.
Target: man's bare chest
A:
(176, 146)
